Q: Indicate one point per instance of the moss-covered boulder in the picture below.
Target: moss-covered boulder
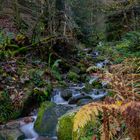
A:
(11, 134)
(65, 126)
(47, 118)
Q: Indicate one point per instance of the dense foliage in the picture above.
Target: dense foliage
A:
(58, 43)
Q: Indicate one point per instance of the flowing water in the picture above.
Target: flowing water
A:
(76, 90)
(28, 130)
(57, 98)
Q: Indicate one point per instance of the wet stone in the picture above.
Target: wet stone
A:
(75, 99)
(11, 134)
(13, 125)
(84, 102)
(49, 113)
(66, 94)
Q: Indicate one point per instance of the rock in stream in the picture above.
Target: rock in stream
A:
(47, 119)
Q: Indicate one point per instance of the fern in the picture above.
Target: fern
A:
(125, 83)
(89, 113)
(125, 78)
(54, 67)
(56, 64)
(114, 116)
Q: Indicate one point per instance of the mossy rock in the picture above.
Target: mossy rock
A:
(73, 76)
(66, 94)
(65, 126)
(39, 126)
(47, 119)
(88, 87)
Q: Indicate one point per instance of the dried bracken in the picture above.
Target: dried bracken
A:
(114, 115)
(125, 78)
(123, 109)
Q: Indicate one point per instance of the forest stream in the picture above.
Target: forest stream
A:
(69, 70)
(76, 96)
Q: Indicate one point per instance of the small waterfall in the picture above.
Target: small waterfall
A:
(97, 94)
(57, 97)
(28, 130)
(92, 79)
(102, 63)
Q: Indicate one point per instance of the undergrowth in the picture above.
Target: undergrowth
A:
(127, 47)
(120, 113)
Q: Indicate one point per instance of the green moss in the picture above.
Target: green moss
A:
(111, 94)
(82, 67)
(47, 119)
(42, 109)
(73, 76)
(97, 84)
(88, 87)
(65, 126)
(40, 94)
(88, 132)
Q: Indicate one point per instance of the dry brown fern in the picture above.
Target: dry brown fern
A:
(114, 115)
(90, 112)
(131, 115)
(125, 79)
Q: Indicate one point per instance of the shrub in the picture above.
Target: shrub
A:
(6, 108)
(133, 39)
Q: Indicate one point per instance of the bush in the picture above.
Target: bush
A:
(42, 94)
(6, 108)
(133, 39)
(106, 50)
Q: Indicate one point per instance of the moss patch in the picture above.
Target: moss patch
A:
(45, 106)
(73, 76)
(47, 118)
(88, 87)
(65, 126)
(97, 84)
